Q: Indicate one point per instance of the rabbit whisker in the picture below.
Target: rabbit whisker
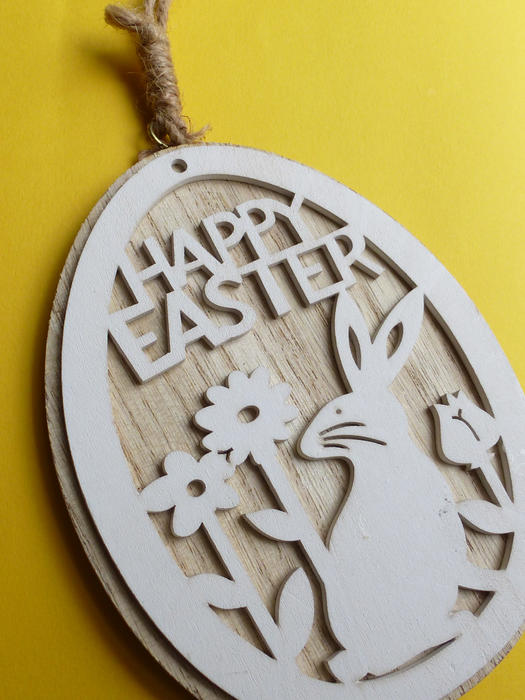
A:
(347, 424)
(333, 444)
(354, 437)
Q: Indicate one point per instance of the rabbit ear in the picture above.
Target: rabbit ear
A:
(351, 340)
(407, 315)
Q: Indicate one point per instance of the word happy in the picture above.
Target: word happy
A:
(247, 223)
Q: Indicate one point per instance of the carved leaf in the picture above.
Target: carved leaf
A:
(486, 517)
(295, 612)
(218, 591)
(275, 524)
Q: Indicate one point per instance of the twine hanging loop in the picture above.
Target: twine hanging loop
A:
(167, 127)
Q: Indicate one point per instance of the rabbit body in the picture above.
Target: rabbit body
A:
(397, 543)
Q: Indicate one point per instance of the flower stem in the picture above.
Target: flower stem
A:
(320, 558)
(493, 484)
(261, 617)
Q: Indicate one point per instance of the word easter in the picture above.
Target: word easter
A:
(248, 222)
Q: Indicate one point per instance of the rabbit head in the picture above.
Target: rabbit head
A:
(369, 416)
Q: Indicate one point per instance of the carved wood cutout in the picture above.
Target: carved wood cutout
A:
(298, 445)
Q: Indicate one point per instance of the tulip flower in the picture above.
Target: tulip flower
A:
(464, 435)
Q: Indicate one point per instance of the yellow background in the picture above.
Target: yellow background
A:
(417, 105)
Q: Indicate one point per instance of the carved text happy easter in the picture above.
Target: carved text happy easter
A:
(247, 223)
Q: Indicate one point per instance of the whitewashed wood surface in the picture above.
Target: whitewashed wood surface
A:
(152, 419)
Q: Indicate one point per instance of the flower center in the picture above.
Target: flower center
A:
(248, 414)
(196, 488)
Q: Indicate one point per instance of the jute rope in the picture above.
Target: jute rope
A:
(149, 23)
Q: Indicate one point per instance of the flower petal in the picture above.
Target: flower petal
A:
(226, 498)
(281, 433)
(159, 495)
(215, 467)
(238, 455)
(216, 394)
(186, 520)
(282, 390)
(260, 376)
(237, 380)
(208, 418)
(289, 413)
(178, 463)
(216, 442)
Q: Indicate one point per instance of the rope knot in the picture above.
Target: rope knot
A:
(149, 24)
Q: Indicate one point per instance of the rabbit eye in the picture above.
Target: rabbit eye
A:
(338, 411)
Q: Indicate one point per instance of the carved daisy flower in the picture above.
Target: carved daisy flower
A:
(194, 489)
(246, 416)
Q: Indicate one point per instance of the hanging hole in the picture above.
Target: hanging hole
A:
(196, 488)
(248, 414)
(179, 165)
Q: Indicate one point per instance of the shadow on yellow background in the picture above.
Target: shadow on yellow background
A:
(420, 108)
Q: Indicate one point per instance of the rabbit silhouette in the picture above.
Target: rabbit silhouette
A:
(398, 543)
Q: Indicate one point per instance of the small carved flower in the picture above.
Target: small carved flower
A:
(464, 431)
(194, 489)
(247, 416)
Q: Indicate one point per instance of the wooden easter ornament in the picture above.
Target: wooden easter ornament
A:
(291, 446)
